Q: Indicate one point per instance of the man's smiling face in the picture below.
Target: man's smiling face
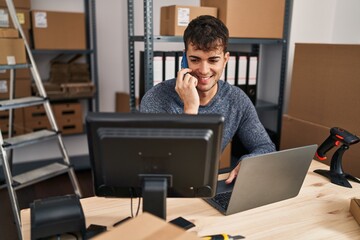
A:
(207, 67)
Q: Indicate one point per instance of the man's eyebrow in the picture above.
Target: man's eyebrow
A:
(196, 57)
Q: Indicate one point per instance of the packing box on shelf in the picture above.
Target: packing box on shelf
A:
(34, 114)
(57, 91)
(297, 132)
(251, 18)
(18, 124)
(20, 73)
(122, 103)
(174, 19)
(68, 117)
(22, 88)
(325, 85)
(58, 30)
(9, 33)
(23, 16)
(17, 3)
(12, 51)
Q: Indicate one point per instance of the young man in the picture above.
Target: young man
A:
(197, 89)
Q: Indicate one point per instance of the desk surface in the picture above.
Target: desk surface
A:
(320, 211)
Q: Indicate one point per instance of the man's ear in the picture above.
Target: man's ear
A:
(226, 57)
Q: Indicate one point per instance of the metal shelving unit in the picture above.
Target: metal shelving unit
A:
(90, 53)
(148, 39)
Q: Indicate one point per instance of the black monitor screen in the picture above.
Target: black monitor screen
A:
(128, 149)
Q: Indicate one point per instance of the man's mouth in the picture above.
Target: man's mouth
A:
(203, 80)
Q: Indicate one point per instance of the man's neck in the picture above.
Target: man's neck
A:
(205, 97)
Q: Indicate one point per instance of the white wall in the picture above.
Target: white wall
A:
(322, 21)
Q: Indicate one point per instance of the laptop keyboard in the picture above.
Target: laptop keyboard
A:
(222, 199)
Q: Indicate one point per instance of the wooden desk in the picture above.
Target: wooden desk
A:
(320, 211)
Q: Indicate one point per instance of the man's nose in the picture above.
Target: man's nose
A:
(204, 67)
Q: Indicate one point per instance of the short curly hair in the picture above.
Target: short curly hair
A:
(206, 33)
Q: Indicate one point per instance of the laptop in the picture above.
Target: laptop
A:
(264, 179)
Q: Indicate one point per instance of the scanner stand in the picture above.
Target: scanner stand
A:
(336, 174)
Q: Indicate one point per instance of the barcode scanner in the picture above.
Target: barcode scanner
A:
(338, 136)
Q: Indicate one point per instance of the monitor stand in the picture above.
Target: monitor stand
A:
(154, 193)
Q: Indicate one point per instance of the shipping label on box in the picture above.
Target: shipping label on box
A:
(3, 87)
(174, 19)
(183, 18)
(40, 20)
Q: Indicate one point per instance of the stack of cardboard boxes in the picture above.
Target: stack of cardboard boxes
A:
(12, 51)
(244, 18)
(44, 30)
(324, 94)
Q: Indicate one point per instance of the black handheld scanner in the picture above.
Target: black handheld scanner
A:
(337, 136)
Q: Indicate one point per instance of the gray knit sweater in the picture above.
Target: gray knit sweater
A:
(231, 102)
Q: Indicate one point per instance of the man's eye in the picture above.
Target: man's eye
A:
(213, 61)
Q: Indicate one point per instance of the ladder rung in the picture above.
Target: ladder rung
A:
(15, 66)
(29, 138)
(39, 174)
(21, 102)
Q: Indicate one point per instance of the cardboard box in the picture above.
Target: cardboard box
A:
(9, 33)
(147, 226)
(70, 125)
(69, 117)
(122, 102)
(58, 30)
(174, 19)
(251, 18)
(225, 158)
(21, 73)
(23, 16)
(12, 51)
(325, 85)
(67, 110)
(18, 124)
(35, 114)
(297, 132)
(355, 209)
(22, 88)
(17, 3)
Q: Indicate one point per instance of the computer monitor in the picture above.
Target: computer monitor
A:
(154, 156)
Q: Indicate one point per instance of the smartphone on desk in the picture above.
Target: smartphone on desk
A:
(184, 62)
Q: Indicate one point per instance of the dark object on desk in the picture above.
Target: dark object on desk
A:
(94, 230)
(222, 237)
(121, 221)
(154, 156)
(182, 222)
(264, 179)
(336, 174)
(57, 215)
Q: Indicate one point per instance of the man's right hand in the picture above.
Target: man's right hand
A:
(233, 174)
(186, 88)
